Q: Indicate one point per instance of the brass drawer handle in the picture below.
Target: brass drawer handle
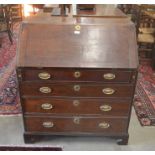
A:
(109, 76)
(77, 74)
(108, 91)
(45, 90)
(104, 125)
(76, 120)
(44, 76)
(76, 88)
(105, 107)
(76, 103)
(47, 106)
(48, 124)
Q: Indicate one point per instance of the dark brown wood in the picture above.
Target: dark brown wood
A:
(96, 50)
(86, 75)
(61, 46)
(67, 89)
(67, 124)
(76, 106)
(31, 137)
(123, 140)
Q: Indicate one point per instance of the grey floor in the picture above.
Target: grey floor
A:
(141, 138)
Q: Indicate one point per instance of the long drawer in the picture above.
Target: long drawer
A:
(76, 124)
(76, 89)
(66, 74)
(76, 106)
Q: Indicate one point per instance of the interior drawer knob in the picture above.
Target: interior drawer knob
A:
(108, 91)
(76, 88)
(109, 76)
(104, 125)
(45, 90)
(47, 106)
(76, 103)
(105, 107)
(44, 76)
(48, 124)
(77, 74)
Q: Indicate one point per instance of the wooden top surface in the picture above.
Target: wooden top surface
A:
(54, 42)
(102, 11)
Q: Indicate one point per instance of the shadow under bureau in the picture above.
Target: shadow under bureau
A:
(77, 77)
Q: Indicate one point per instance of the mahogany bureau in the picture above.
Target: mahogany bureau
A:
(77, 77)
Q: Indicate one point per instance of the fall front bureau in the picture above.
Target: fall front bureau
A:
(77, 76)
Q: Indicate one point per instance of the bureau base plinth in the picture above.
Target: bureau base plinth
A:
(123, 140)
(30, 138)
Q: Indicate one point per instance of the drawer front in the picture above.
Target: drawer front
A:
(77, 75)
(76, 124)
(77, 106)
(74, 89)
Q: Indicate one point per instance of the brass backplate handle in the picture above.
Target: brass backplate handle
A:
(105, 108)
(47, 106)
(104, 125)
(48, 124)
(45, 90)
(44, 76)
(108, 91)
(109, 76)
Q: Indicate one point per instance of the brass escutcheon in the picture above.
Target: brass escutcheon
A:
(76, 120)
(76, 103)
(48, 124)
(76, 88)
(105, 107)
(45, 90)
(77, 74)
(77, 27)
(104, 125)
(109, 76)
(108, 91)
(44, 76)
(47, 106)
